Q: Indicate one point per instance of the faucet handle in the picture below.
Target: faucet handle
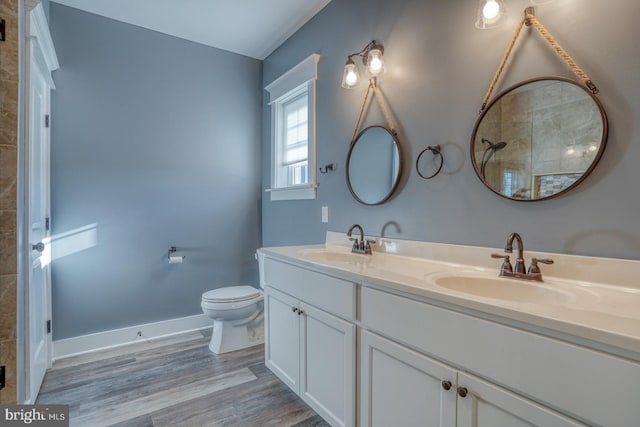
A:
(506, 264)
(368, 245)
(534, 269)
(355, 242)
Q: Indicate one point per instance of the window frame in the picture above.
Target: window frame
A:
(298, 80)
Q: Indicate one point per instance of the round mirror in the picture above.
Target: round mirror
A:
(539, 139)
(374, 165)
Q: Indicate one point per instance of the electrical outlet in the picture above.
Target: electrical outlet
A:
(325, 214)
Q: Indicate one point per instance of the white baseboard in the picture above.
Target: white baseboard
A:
(118, 337)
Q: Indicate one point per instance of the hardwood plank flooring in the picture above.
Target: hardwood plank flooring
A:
(175, 381)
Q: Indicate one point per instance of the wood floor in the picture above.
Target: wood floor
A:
(174, 381)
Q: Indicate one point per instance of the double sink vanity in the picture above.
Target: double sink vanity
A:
(425, 334)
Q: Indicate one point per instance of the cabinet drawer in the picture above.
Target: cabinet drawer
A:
(583, 383)
(333, 295)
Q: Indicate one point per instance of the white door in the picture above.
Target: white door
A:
(327, 365)
(282, 336)
(38, 292)
(485, 405)
(400, 387)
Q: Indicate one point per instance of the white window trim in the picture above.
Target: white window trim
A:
(305, 73)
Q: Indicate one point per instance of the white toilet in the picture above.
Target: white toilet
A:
(237, 317)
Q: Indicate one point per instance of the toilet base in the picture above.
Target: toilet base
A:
(227, 337)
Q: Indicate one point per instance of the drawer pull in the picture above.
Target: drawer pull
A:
(294, 309)
(446, 385)
(300, 312)
(462, 391)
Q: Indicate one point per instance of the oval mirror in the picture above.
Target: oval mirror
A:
(539, 139)
(374, 165)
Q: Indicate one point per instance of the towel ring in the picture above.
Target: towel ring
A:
(435, 149)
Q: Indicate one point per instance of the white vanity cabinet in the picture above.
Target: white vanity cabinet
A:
(310, 338)
(282, 337)
(425, 358)
(399, 386)
(512, 377)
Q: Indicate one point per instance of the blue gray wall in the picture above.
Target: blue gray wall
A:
(438, 70)
(157, 141)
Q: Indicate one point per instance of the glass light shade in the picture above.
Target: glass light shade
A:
(350, 78)
(490, 13)
(375, 63)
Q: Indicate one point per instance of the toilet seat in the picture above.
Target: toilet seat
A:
(231, 294)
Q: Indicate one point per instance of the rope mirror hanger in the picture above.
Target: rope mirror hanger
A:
(383, 107)
(530, 19)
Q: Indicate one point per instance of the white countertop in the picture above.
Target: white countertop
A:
(604, 313)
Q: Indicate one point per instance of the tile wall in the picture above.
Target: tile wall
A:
(8, 195)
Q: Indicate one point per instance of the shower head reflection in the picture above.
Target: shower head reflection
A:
(489, 152)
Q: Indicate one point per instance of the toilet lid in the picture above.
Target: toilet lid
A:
(231, 294)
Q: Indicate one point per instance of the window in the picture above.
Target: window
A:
(292, 96)
(292, 155)
(507, 183)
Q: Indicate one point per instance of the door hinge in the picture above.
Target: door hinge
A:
(47, 223)
(46, 121)
(48, 326)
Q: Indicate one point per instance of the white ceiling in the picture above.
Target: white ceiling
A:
(253, 28)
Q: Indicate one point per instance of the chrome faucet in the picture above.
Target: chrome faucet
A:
(518, 271)
(361, 246)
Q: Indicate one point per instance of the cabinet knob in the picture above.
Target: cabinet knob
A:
(446, 385)
(294, 309)
(300, 312)
(462, 391)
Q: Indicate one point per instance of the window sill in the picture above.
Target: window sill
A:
(299, 192)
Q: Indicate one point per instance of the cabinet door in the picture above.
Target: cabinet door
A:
(399, 387)
(327, 365)
(486, 405)
(282, 336)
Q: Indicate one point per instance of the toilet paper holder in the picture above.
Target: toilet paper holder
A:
(172, 250)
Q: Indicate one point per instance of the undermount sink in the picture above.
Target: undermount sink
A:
(333, 257)
(514, 290)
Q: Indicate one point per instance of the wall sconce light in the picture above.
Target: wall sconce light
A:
(371, 58)
(490, 13)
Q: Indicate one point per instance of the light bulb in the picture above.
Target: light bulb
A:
(350, 77)
(491, 9)
(490, 13)
(375, 64)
